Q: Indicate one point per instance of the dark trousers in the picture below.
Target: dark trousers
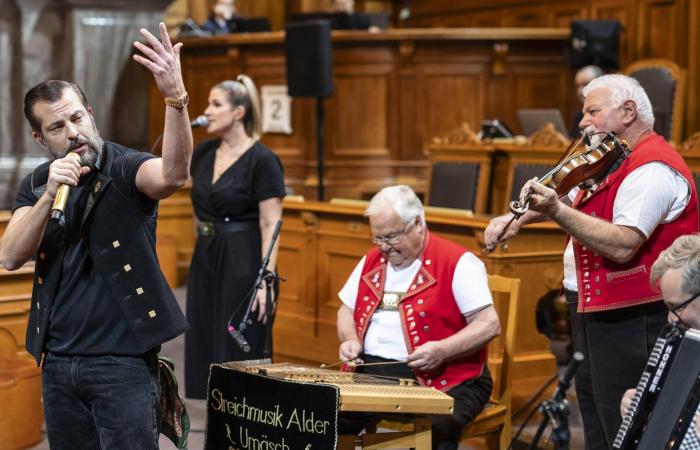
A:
(616, 345)
(101, 402)
(470, 398)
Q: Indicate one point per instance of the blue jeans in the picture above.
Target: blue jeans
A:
(100, 402)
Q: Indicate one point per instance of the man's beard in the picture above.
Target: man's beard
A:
(595, 137)
(89, 157)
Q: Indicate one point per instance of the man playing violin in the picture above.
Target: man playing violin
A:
(616, 228)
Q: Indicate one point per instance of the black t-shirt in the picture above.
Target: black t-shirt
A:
(85, 318)
(256, 176)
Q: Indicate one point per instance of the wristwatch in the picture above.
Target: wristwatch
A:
(178, 103)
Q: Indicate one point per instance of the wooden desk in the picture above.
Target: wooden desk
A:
(393, 92)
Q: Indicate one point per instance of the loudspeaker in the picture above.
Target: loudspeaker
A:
(309, 55)
(595, 42)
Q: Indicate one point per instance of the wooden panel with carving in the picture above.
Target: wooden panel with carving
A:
(650, 28)
(528, 86)
(394, 91)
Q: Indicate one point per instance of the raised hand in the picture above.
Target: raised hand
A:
(163, 60)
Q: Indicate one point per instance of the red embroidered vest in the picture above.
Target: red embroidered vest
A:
(428, 311)
(604, 284)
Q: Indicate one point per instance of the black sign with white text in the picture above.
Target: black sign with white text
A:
(255, 412)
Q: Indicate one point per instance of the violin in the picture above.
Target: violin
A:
(580, 165)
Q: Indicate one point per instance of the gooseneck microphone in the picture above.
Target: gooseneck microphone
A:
(62, 193)
(238, 338)
(200, 121)
(565, 379)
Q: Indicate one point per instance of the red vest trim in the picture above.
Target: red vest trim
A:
(428, 311)
(604, 284)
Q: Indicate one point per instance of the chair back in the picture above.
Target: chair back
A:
(453, 184)
(664, 83)
(505, 293)
(460, 171)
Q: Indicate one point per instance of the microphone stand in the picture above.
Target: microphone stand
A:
(557, 411)
(268, 277)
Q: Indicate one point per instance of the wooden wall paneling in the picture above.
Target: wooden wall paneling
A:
(692, 114)
(525, 16)
(15, 296)
(531, 86)
(176, 221)
(395, 91)
(485, 18)
(274, 10)
(561, 15)
(448, 95)
(360, 111)
(448, 91)
(342, 242)
(624, 12)
(661, 30)
(295, 331)
(406, 122)
(361, 121)
(375, 6)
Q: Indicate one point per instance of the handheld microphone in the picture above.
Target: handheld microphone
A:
(200, 121)
(61, 199)
(565, 379)
(239, 338)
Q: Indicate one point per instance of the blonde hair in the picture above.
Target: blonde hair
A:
(243, 92)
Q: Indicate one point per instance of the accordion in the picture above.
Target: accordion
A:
(667, 396)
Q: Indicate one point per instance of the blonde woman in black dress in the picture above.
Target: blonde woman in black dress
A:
(237, 191)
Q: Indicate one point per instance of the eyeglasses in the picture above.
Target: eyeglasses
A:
(391, 239)
(677, 309)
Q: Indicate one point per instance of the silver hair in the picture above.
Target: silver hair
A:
(596, 71)
(683, 254)
(623, 88)
(401, 198)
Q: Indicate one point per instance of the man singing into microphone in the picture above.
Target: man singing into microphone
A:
(100, 305)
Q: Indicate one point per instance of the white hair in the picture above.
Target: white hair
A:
(683, 254)
(401, 198)
(623, 88)
(595, 71)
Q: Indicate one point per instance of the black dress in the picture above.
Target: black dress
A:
(224, 266)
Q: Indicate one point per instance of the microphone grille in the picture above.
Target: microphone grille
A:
(200, 121)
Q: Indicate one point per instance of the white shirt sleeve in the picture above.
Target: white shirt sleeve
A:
(348, 294)
(470, 284)
(651, 194)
